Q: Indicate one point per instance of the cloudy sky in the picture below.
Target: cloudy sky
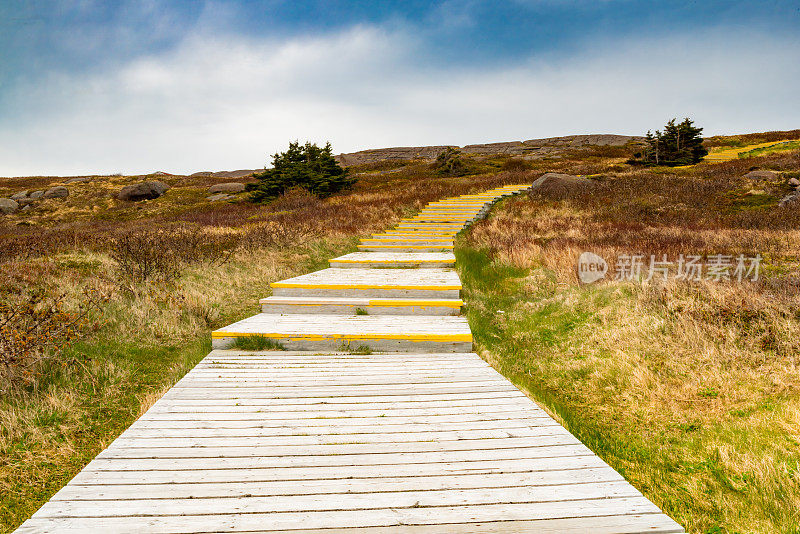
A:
(185, 85)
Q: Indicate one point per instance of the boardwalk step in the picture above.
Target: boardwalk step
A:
(354, 305)
(342, 332)
(407, 240)
(372, 283)
(404, 247)
(377, 260)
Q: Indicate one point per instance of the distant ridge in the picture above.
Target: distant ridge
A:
(532, 148)
(226, 174)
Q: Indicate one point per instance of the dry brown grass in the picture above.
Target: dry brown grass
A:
(692, 390)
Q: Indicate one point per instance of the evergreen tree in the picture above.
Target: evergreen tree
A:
(679, 144)
(450, 163)
(307, 166)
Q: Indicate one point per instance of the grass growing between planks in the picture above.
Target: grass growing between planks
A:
(689, 391)
(257, 343)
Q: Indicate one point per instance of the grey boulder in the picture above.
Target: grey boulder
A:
(58, 191)
(8, 206)
(559, 186)
(143, 191)
(761, 175)
(78, 180)
(36, 195)
(17, 196)
(229, 187)
(792, 181)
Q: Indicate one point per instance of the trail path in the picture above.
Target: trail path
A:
(728, 154)
(424, 437)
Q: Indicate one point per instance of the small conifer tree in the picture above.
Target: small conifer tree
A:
(307, 166)
(678, 144)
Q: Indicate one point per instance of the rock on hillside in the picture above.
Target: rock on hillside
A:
(143, 191)
(529, 148)
(58, 191)
(559, 186)
(229, 187)
(761, 175)
(8, 206)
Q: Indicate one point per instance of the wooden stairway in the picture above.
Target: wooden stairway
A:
(426, 439)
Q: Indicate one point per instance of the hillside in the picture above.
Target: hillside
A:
(689, 389)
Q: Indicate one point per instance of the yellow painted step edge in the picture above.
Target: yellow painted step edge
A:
(389, 303)
(362, 286)
(392, 261)
(407, 246)
(409, 337)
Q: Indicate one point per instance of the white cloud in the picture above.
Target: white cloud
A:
(224, 102)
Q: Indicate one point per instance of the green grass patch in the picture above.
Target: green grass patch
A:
(257, 342)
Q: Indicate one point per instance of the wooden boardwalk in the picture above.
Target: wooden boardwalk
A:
(415, 442)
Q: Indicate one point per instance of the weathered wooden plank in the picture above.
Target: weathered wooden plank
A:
(301, 445)
(169, 428)
(302, 503)
(144, 460)
(238, 405)
(480, 466)
(352, 518)
(453, 414)
(76, 492)
(185, 406)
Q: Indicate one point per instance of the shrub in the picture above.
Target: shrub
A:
(36, 330)
(307, 166)
(450, 163)
(161, 254)
(679, 144)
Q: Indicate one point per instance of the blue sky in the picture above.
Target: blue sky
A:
(137, 86)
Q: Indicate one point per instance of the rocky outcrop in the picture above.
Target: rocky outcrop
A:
(428, 153)
(78, 180)
(530, 148)
(20, 195)
(242, 173)
(229, 187)
(143, 191)
(58, 191)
